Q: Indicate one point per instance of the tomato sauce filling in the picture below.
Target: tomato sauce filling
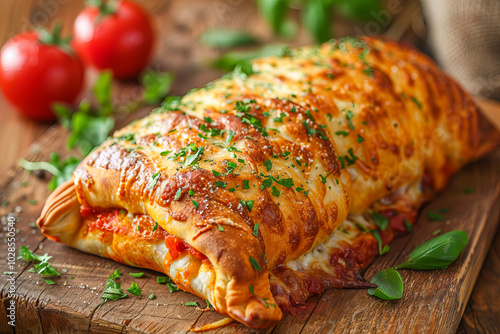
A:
(142, 226)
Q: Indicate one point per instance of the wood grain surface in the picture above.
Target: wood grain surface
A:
(433, 301)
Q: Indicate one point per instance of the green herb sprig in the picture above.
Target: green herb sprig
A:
(437, 253)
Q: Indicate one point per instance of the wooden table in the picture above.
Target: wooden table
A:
(178, 42)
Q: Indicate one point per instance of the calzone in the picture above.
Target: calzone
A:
(266, 186)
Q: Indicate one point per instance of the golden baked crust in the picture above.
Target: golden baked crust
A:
(261, 166)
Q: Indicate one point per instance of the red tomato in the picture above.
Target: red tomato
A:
(34, 75)
(121, 40)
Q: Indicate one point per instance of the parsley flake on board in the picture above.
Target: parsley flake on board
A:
(40, 262)
(113, 290)
(136, 275)
(61, 170)
(435, 216)
(134, 289)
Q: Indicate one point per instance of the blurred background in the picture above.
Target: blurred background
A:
(463, 36)
(198, 40)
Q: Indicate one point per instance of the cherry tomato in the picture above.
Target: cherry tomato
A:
(119, 38)
(35, 73)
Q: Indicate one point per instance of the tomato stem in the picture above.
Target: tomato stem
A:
(105, 7)
(54, 37)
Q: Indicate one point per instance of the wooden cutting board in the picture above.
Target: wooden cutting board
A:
(433, 301)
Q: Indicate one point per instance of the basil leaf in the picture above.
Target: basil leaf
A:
(437, 253)
(89, 131)
(49, 281)
(274, 12)
(380, 220)
(156, 85)
(359, 10)
(229, 60)
(102, 91)
(389, 285)
(317, 19)
(226, 38)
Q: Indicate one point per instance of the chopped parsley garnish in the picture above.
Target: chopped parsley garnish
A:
(368, 71)
(191, 192)
(216, 173)
(408, 225)
(195, 203)
(275, 191)
(256, 230)
(152, 296)
(178, 194)
(470, 190)
(136, 275)
(242, 111)
(220, 184)
(195, 304)
(230, 136)
(40, 262)
(255, 264)
(419, 105)
(113, 290)
(280, 118)
(377, 237)
(349, 115)
(342, 133)
(435, 216)
(284, 182)
(134, 289)
(247, 204)
(246, 184)
(251, 289)
(154, 180)
(155, 227)
(49, 281)
(164, 153)
(351, 158)
(268, 164)
(360, 139)
(221, 229)
(313, 131)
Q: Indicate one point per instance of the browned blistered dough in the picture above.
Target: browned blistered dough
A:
(293, 145)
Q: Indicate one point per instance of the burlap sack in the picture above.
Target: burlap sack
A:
(465, 37)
